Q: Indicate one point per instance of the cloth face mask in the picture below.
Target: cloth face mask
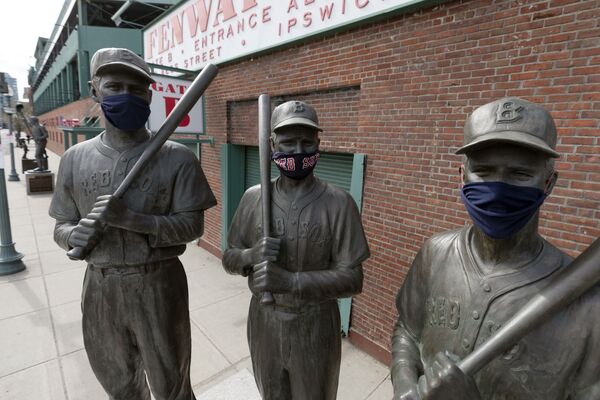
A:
(126, 111)
(295, 165)
(499, 209)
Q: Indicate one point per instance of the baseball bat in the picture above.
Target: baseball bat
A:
(264, 152)
(568, 285)
(181, 109)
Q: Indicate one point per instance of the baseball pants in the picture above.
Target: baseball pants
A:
(39, 153)
(135, 326)
(295, 355)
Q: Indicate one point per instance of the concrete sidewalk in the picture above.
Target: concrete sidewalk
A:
(41, 346)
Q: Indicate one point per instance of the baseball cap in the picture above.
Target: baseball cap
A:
(116, 57)
(510, 120)
(294, 112)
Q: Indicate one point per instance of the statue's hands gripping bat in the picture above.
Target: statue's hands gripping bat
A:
(181, 109)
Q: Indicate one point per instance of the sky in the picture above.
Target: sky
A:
(21, 23)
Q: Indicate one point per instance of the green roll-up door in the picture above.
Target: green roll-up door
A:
(252, 167)
(334, 168)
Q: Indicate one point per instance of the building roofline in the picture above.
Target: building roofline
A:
(65, 12)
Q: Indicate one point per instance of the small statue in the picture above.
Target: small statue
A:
(465, 284)
(40, 138)
(22, 143)
(136, 324)
(313, 258)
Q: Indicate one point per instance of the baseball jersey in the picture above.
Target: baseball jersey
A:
(448, 303)
(321, 230)
(172, 188)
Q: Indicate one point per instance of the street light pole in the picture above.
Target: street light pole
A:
(13, 176)
(10, 259)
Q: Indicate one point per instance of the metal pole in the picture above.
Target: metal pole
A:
(13, 176)
(10, 260)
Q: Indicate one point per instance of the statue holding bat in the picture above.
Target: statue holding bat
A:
(128, 202)
(493, 311)
(310, 255)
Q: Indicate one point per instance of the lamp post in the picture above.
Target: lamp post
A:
(13, 176)
(10, 259)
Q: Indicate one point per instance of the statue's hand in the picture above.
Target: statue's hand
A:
(88, 231)
(266, 249)
(443, 380)
(269, 277)
(112, 211)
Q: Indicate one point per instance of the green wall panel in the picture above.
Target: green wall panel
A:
(93, 38)
(232, 185)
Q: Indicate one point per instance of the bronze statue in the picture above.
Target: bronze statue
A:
(136, 323)
(313, 257)
(22, 143)
(465, 284)
(40, 138)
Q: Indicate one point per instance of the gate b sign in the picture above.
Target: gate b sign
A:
(166, 92)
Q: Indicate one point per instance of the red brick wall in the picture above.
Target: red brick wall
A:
(338, 116)
(417, 77)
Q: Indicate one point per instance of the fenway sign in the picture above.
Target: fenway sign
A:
(197, 32)
(166, 92)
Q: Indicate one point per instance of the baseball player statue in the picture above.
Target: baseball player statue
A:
(313, 258)
(465, 284)
(136, 324)
(40, 137)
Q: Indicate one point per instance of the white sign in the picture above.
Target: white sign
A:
(166, 92)
(197, 32)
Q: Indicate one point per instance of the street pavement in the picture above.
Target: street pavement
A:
(41, 345)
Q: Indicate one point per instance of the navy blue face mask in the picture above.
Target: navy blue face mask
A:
(295, 165)
(126, 111)
(499, 209)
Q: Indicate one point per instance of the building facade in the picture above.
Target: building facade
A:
(393, 91)
(59, 81)
(9, 95)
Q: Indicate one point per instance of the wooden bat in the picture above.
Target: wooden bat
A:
(181, 109)
(264, 152)
(569, 284)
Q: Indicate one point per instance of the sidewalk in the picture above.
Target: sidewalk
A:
(41, 345)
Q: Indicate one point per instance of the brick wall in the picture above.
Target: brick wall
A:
(416, 78)
(338, 116)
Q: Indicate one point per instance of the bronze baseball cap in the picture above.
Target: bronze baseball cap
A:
(113, 57)
(294, 113)
(510, 120)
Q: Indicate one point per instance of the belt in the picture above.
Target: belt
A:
(124, 270)
(295, 309)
